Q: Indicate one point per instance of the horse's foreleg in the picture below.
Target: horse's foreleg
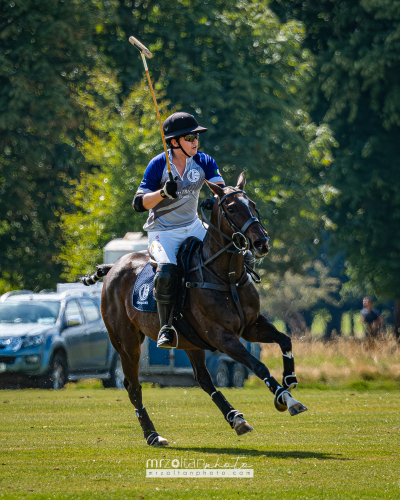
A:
(232, 346)
(203, 377)
(264, 331)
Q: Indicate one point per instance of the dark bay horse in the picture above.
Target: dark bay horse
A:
(214, 314)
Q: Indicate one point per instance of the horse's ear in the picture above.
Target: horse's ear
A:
(241, 182)
(215, 188)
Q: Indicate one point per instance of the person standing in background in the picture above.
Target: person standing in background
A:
(372, 320)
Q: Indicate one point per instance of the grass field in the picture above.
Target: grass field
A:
(87, 443)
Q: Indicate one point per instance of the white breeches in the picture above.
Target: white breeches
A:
(164, 245)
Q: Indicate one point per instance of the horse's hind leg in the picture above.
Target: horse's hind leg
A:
(128, 348)
(232, 346)
(203, 377)
(265, 332)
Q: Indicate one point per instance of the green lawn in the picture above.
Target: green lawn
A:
(87, 443)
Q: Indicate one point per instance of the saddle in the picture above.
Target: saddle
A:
(143, 300)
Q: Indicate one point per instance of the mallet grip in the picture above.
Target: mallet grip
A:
(139, 45)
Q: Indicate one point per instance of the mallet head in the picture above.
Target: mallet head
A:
(134, 41)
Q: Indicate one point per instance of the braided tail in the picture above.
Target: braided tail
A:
(102, 270)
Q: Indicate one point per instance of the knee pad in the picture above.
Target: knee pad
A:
(166, 279)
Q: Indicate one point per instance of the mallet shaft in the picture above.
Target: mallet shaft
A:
(158, 114)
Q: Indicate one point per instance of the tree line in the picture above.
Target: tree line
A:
(302, 96)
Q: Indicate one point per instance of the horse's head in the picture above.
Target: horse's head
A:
(234, 212)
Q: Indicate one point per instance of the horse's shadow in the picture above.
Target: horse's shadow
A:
(263, 453)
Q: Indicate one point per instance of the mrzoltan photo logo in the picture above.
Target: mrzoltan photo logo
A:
(190, 467)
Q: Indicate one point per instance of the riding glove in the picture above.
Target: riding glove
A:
(169, 190)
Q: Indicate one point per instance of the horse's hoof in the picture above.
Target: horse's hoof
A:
(156, 440)
(160, 442)
(241, 426)
(296, 409)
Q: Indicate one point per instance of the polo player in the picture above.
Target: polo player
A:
(172, 206)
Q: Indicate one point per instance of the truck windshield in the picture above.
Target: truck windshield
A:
(43, 311)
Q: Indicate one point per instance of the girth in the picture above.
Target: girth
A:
(232, 287)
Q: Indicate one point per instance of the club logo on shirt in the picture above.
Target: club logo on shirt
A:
(144, 292)
(193, 175)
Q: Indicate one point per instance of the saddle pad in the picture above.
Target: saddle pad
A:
(143, 298)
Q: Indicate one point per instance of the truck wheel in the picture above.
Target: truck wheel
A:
(223, 375)
(116, 375)
(57, 375)
(239, 375)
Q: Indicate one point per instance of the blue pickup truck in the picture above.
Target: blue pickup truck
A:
(48, 339)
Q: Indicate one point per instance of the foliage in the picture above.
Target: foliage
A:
(45, 49)
(119, 144)
(234, 65)
(238, 70)
(287, 296)
(356, 91)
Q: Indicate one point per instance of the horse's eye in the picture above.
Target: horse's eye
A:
(231, 210)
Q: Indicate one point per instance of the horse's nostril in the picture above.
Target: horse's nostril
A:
(259, 244)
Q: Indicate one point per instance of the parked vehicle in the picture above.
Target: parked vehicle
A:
(47, 339)
(173, 367)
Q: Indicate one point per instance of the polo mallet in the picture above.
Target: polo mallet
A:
(144, 51)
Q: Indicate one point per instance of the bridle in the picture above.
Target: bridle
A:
(238, 232)
(239, 247)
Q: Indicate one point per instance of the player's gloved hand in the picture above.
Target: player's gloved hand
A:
(170, 189)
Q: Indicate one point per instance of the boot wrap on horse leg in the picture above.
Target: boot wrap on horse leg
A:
(151, 436)
(166, 284)
(262, 372)
(289, 380)
(233, 417)
(281, 393)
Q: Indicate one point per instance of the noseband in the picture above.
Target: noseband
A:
(238, 232)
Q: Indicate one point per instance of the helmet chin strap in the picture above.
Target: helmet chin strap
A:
(179, 147)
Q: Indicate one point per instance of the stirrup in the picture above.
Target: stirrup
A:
(166, 337)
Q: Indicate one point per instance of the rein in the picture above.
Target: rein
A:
(239, 249)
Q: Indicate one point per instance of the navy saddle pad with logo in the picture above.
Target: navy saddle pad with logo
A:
(143, 298)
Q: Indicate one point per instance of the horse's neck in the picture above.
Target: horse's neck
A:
(220, 265)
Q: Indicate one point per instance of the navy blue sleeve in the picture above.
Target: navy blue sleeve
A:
(210, 168)
(152, 175)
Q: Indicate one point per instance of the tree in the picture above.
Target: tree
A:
(46, 47)
(356, 90)
(287, 296)
(239, 70)
(119, 145)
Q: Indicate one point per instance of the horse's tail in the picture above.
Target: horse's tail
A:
(102, 270)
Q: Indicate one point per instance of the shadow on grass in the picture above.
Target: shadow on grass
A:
(263, 453)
